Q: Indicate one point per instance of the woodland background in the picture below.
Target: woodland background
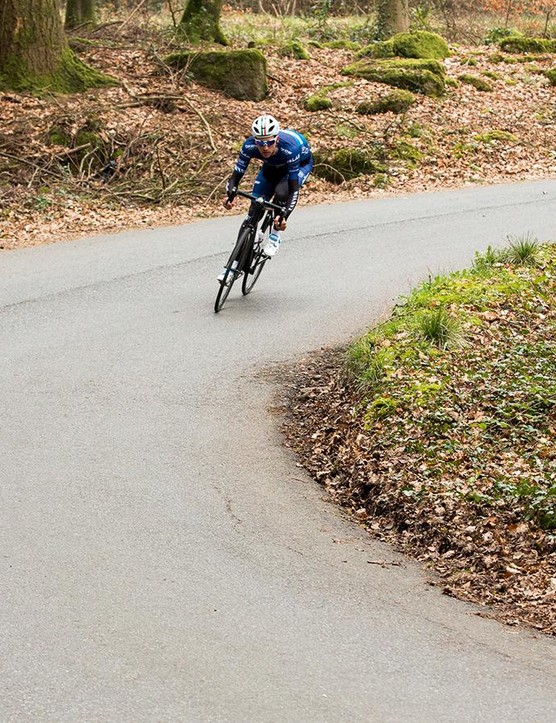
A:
(156, 147)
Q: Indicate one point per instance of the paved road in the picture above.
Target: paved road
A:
(161, 555)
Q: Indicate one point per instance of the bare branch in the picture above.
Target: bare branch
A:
(203, 119)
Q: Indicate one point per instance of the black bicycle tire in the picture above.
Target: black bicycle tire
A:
(251, 278)
(258, 259)
(225, 288)
(223, 292)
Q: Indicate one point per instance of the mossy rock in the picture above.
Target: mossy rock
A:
(419, 76)
(317, 101)
(407, 152)
(551, 75)
(496, 136)
(398, 101)
(294, 49)
(347, 130)
(346, 164)
(534, 69)
(58, 135)
(516, 44)
(416, 130)
(88, 142)
(420, 44)
(479, 83)
(342, 45)
(240, 74)
(507, 59)
(377, 49)
(335, 86)
(496, 35)
(380, 180)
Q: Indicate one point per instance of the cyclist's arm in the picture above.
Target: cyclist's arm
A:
(233, 183)
(293, 185)
(293, 195)
(239, 170)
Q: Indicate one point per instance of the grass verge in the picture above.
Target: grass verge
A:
(438, 429)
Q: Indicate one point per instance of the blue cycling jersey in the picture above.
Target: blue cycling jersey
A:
(292, 151)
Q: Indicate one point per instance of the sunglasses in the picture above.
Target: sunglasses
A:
(265, 144)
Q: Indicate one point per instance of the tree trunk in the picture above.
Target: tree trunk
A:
(393, 17)
(80, 12)
(34, 54)
(201, 21)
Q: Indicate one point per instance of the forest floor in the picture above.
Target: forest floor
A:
(157, 149)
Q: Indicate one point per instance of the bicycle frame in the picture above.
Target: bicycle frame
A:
(247, 258)
(262, 206)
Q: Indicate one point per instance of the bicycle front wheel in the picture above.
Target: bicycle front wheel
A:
(257, 264)
(224, 290)
(234, 266)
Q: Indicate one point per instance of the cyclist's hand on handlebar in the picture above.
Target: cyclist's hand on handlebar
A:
(280, 223)
(229, 202)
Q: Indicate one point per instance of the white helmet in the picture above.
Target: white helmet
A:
(265, 126)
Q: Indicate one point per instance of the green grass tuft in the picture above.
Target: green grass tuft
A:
(523, 251)
(438, 327)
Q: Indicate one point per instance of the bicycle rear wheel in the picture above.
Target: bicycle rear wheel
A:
(258, 259)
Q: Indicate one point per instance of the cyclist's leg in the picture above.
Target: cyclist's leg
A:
(281, 191)
(264, 185)
(305, 172)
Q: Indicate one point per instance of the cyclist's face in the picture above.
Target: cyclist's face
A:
(267, 148)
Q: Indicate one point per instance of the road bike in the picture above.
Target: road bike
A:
(247, 260)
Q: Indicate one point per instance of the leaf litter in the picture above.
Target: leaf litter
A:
(157, 149)
(450, 454)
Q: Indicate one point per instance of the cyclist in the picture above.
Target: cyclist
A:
(287, 162)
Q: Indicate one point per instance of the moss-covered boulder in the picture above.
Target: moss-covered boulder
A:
(346, 164)
(87, 143)
(240, 74)
(496, 136)
(58, 135)
(417, 44)
(419, 76)
(518, 44)
(398, 101)
(406, 152)
(551, 75)
(317, 101)
(496, 35)
(479, 83)
(294, 49)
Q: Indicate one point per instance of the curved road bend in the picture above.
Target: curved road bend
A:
(162, 557)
